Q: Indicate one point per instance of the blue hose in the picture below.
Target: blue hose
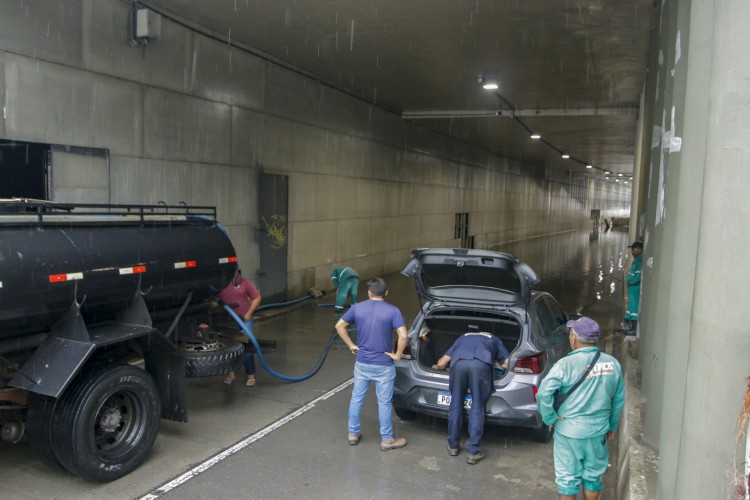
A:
(283, 304)
(250, 336)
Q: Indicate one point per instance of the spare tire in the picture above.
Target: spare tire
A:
(209, 359)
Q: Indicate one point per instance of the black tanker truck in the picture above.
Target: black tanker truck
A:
(104, 312)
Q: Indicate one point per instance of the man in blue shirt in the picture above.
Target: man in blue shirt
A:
(375, 319)
(589, 416)
(471, 358)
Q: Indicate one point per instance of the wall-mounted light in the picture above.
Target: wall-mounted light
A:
(146, 25)
(607, 172)
(535, 136)
(565, 156)
(488, 83)
(619, 175)
(589, 166)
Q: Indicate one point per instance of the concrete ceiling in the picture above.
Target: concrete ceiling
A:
(572, 70)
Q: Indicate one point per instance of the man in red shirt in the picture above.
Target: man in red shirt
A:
(244, 299)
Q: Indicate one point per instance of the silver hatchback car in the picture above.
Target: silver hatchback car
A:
(479, 291)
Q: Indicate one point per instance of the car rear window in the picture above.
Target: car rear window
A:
(442, 275)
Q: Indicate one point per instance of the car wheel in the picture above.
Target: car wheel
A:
(542, 434)
(209, 359)
(106, 422)
(39, 430)
(404, 414)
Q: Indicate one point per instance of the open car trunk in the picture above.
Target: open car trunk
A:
(440, 330)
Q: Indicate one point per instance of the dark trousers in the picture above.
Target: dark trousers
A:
(475, 376)
(249, 362)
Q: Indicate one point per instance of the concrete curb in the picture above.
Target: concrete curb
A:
(638, 463)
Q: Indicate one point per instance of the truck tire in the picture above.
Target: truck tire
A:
(106, 422)
(212, 359)
(39, 430)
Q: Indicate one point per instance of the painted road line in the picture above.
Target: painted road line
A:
(219, 457)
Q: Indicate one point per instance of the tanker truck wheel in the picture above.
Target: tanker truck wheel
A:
(106, 422)
(39, 430)
(209, 359)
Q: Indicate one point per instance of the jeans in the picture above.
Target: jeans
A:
(476, 376)
(383, 376)
(249, 349)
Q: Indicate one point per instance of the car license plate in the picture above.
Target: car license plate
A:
(444, 399)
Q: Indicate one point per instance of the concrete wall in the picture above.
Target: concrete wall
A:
(694, 342)
(191, 119)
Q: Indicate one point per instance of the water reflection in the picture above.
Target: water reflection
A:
(576, 268)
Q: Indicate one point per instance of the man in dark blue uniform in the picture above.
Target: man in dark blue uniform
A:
(472, 357)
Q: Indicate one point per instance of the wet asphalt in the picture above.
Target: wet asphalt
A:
(288, 440)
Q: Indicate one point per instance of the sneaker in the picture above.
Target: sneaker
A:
(354, 438)
(472, 459)
(392, 444)
(452, 451)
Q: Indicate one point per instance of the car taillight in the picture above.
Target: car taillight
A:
(531, 364)
(407, 350)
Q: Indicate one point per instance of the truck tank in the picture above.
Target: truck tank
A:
(87, 367)
(97, 255)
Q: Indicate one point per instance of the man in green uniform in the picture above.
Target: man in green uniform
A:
(346, 280)
(589, 416)
(633, 283)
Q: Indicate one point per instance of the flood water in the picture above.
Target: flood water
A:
(583, 270)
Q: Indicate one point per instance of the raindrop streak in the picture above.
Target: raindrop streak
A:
(351, 37)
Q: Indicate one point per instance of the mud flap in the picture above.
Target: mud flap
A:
(167, 365)
(58, 359)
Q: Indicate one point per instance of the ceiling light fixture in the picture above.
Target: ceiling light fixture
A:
(492, 84)
(619, 175)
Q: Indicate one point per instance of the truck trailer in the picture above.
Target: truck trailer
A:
(105, 310)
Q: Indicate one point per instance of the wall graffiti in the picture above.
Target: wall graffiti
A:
(276, 230)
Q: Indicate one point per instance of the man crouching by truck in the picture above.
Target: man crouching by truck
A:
(589, 415)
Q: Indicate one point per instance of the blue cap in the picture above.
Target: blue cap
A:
(586, 328)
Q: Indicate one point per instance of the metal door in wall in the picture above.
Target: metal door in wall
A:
(273, 212)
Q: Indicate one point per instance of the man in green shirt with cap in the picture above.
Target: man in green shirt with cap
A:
(589, 416)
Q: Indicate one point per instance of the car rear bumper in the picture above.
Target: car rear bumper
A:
(422, 400)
